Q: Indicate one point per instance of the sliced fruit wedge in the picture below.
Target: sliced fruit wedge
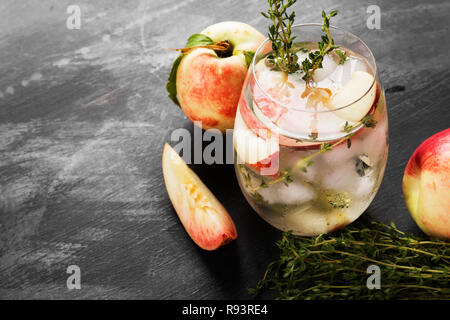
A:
(357, 87)
(260, 152)
(205, 219)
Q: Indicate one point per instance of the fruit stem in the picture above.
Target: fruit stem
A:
(223, 49)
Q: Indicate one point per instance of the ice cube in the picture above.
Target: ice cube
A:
(365, 187)
(290, 157)
(338, 155)
(342, 176)
(346, 177)
(374, 141)
(343, 72)
(329, 65)
(294, 192)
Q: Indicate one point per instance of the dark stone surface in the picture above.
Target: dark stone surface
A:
(84, 116)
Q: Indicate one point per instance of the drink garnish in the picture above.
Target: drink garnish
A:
(326, 45)
(283, 56)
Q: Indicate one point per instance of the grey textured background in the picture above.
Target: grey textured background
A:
(84, 116)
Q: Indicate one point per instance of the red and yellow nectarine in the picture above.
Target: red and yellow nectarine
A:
(209, 86)
(426, 185)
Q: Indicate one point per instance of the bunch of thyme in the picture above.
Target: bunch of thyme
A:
(335, 266)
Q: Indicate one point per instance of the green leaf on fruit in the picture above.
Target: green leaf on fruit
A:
(193, 41)
(198, 39)
(249, 57)
(171, 85)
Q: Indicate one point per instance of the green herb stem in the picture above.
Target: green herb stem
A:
(334, 266)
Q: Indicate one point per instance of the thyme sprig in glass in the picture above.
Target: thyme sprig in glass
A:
(282, 58)
(335, 266)
(326, 45)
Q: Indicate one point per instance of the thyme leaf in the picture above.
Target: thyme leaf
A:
(342, 56)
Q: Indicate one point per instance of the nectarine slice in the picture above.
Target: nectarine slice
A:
(205, 219)
(357, 96)
(260, 152)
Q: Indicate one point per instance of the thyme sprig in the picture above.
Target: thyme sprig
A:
(282, 57)
(335, 266)
(367, 121)
(284, 176)
(305, 162)
(326, 45)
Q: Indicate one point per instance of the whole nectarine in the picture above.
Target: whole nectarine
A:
(426, 185)
(208, 86)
